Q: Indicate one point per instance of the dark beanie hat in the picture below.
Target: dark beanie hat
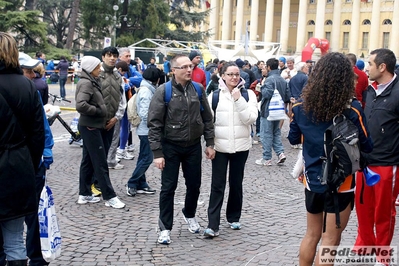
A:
(193, 54)
(240, 63)
(152, 74)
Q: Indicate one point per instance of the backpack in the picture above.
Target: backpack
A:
(341, 146)
(54, 77)
(215, 99)
(168, 93)
(132, 114)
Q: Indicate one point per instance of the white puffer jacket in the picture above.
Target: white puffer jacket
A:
(233, 120)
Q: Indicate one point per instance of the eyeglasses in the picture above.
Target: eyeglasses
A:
(186, 67)
(237, 75)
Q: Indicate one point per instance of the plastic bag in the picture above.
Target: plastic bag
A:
(50, 236)
(276, 107)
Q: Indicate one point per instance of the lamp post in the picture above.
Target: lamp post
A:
(115, 19)
(115, 7)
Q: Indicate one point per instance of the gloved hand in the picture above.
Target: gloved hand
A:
(47, 158)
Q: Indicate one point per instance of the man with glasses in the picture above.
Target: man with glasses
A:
(175, 131)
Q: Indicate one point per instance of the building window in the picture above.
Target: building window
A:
(329, 1)
(328, 36)
(234, 23)
(310, 34)
(236, 2)
(346, 22)
(365, 40)
(366, 22)
(387, 22)
(329, 22)
(249, 2)
(348, 1)
(311, 22)
(385, 39)
(312, 1)
(345, 40)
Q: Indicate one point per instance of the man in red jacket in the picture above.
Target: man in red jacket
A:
(362, 80)
(197, 75)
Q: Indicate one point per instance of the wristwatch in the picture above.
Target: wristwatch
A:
(211, 146)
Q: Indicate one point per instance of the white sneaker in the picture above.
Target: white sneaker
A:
(193, 225)
(264, 162)
(115, 203)
(87, 199)
(123, 154)
(164, 237)
(118, 166)
(130, 148)
(281, 158)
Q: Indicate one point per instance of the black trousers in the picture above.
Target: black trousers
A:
(94, 162)
(236, 162)
(190, 159)
(33, 246)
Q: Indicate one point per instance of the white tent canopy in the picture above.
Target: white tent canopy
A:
(253, 51)
(167, 46)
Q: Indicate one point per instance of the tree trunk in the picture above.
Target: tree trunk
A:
(72, 24)
(30, 4)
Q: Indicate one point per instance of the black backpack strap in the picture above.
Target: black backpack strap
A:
(336, 208)
(362, 190)
(215, 101)
(244, 93)
(334, 195)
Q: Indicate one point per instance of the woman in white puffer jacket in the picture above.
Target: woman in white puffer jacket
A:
(234, 116)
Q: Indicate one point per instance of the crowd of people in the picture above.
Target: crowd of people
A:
(183, 108)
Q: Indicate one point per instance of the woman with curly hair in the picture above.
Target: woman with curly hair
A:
(329, 91)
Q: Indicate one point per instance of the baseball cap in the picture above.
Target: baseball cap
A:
(26, 61)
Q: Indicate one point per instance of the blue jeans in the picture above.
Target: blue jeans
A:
(270, 136)
(190, 158)
(63, 80)
(144, 161)
(124, 132)
(13, 237)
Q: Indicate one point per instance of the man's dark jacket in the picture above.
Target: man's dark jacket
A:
(382, 113)
(181, 121)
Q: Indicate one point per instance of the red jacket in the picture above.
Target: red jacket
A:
(361, 85)
(198, 75)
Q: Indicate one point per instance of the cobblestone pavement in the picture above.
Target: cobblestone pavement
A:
(273, 217)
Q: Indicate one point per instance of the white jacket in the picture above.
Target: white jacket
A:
(233, 120)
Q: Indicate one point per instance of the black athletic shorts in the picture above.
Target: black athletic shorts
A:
(324, 202)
